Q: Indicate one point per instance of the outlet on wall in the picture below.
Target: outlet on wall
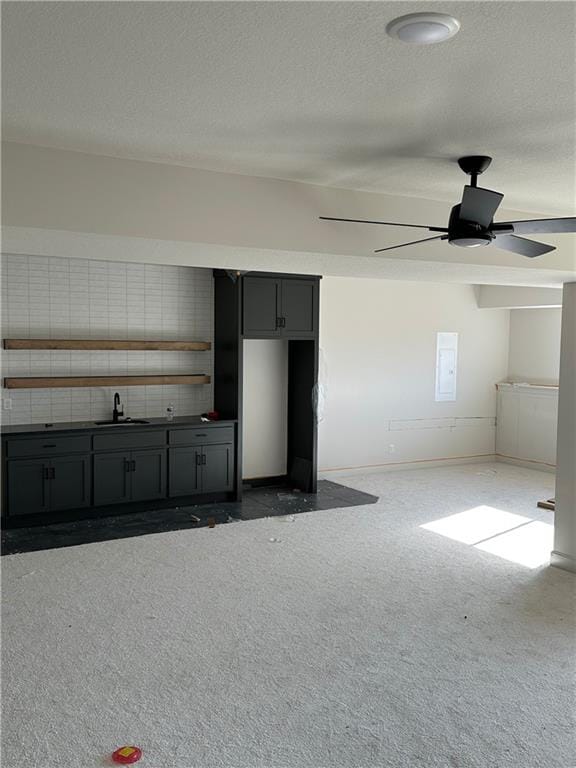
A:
(391, 448)
(7, 403)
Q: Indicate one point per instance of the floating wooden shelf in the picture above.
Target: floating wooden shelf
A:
(108, 344)
(48, 382)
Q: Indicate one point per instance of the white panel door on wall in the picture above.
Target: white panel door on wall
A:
(265, 403)
(526, 422)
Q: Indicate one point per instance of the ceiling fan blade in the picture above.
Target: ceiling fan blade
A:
(479, 205)
(387, 223)
(521, 245)
(542, 225)
(414, 242)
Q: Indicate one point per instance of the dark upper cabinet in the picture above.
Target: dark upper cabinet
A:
(280, 307)
(69, 482)
(217, 468)
(47, 485)
(28, 486)
(299, 307)
(262, 298)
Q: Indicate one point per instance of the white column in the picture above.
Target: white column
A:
(564, 553)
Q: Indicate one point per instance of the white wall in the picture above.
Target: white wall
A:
(378, 343)
(515, 297)
(265, 393)
(77, 298)
(534, 355)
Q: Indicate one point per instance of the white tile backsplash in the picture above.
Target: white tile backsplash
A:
(75, 299)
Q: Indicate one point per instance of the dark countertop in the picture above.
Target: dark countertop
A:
(73, 426)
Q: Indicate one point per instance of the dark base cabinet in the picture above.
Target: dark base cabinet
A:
(203, 468)
(217, 469)
(149, 466)
(134, 476)
(184, 476)
(39, 485)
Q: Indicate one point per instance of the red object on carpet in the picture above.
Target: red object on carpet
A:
(127, 755)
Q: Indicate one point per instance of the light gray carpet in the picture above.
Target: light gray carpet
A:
(345, 644)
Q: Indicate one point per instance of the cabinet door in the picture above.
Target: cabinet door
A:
(111, 478)
(184, 471)
(27, 486)
(261, 309)
(217, 468)
(69, 483)
(299, 311)
(148, 470)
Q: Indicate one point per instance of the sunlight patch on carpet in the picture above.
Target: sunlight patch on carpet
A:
(476, 524)
(529, 545)
(513, 537)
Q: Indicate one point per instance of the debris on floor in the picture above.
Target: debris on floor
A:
(274, 540)
(127, 755)
(548, 504)
(286, 518)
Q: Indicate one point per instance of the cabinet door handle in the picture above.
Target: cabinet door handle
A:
(198, 459)
(126, 465)
(278, 322)
(53, 473)
(133, 465)
(203, 458)
(283, 325)
(46, 473)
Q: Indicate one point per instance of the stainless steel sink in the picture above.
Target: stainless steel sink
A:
(120, 422)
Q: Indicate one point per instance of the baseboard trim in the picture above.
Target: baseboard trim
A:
(394, 466)
(527, 463)
(559, 560)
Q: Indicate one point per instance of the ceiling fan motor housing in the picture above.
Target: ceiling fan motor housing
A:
(467, 234)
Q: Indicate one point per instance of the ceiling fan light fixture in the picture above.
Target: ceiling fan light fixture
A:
(423, 28)
(474, 241)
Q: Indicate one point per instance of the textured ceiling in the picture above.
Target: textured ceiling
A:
(306, 91)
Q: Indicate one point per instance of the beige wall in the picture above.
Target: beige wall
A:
(73, 192)
(378, 342)
(534, 355)
(265, 422)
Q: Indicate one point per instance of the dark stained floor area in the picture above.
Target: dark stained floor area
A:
(266, 501)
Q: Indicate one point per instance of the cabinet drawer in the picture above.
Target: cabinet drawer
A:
(127, 439)
(201, 436)
(47, 446)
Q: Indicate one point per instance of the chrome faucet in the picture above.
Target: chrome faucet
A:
(116, 413)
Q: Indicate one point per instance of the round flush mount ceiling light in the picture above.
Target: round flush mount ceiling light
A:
(423, 28)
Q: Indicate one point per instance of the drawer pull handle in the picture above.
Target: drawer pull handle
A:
(50, 445)
(200, 434)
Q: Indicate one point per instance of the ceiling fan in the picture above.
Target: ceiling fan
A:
(471, 221)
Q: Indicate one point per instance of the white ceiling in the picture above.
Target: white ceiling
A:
(305, 91)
